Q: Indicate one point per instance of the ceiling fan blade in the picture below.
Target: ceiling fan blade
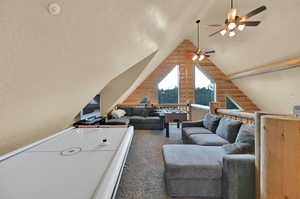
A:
(216, 32)
(211, 51)
(252, 23)
(231, 14)
(216, 25)
(254, 12)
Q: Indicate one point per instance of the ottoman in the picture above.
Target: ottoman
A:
(193, 171)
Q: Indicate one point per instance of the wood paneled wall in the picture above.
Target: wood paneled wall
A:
(181, 56)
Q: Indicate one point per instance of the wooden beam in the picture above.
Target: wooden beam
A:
(274, 67)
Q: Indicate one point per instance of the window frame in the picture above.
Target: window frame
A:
(197, 66)
(234, 102)
(178, 85)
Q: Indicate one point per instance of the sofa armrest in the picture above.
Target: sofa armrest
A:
(198, 123)
(238, 177)
(109, 116)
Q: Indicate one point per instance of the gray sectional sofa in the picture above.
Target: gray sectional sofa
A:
(212, 131)
(142, 118)
(216, 160)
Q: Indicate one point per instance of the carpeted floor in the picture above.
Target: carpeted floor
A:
(143, 175)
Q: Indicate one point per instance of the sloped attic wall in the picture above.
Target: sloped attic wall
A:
(51, 66)
(117, 86)
(181, 56)
(275, 39)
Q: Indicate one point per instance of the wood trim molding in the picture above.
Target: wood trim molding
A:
(268, 68)
(199, 106)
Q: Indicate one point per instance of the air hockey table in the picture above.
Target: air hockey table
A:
(80, 163)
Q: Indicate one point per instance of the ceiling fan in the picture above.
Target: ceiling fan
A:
(234, 21)
(200, 53)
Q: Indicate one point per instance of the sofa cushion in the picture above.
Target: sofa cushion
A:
(211, 122)
(152, 119)
(246, 134)
(237, 148)
(228, 129)
(244, 142)
(137, 119)
(138, 111)
(187, 131)
(119, 121)
(197, 123)
(208, 140)
(192, 161)
(128, 110)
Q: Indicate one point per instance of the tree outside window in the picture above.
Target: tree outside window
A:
(204, 88)
(168, 92)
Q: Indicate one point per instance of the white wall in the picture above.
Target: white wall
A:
(117, 86)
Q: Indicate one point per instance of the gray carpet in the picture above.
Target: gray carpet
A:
(143, 175)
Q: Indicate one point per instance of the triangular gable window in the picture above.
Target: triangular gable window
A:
(204, 88)
(231, 104)
(168, 87)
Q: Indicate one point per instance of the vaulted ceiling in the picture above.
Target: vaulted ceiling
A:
(275, 39)
(51, 66)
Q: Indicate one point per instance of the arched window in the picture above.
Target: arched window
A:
(204, 88)
(168, 92)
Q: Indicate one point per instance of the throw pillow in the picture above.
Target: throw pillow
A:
(118, 113)
(228, 129)
(246, 135)
(211, 122)
(128, 110)
(121, 112)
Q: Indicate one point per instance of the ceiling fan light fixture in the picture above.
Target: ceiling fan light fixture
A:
(231, 25)
(233, 21)
(232, 34)
(223, 32)
(201, 57)
(195, 57)
(241, 27)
